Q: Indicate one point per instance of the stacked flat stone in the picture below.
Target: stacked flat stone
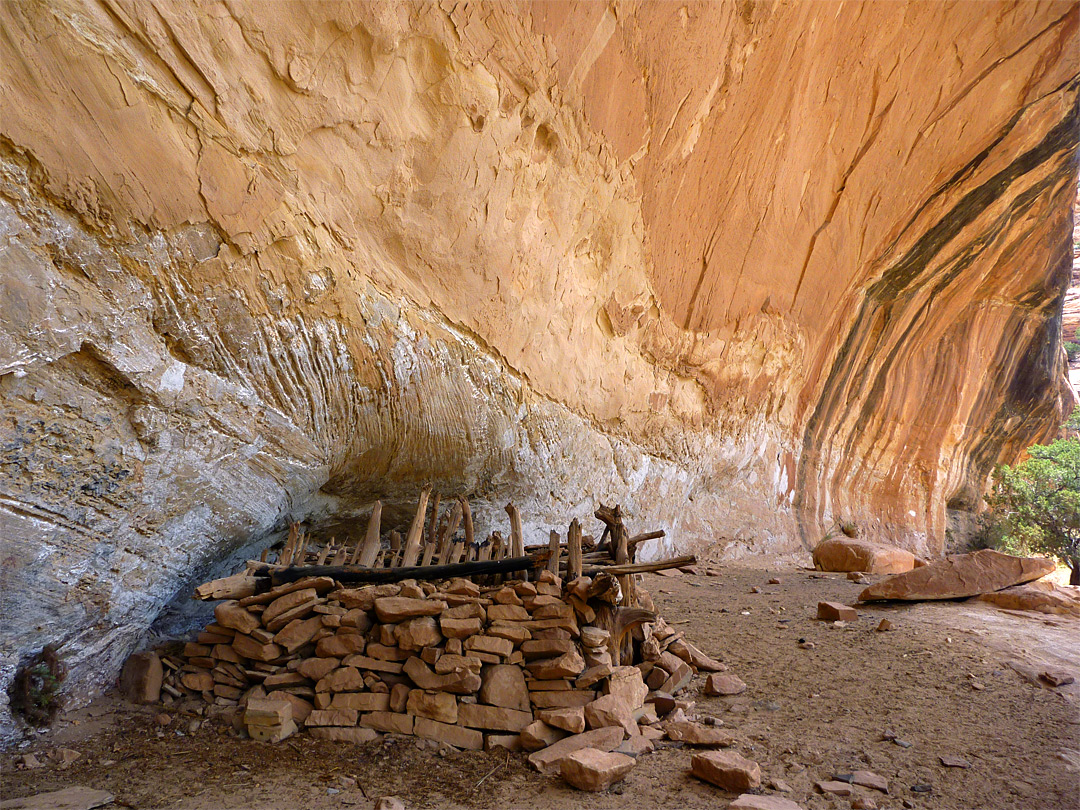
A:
(512, 666)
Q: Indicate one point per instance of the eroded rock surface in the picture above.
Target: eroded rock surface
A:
(745, 268)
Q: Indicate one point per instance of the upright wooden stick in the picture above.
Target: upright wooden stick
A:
(517, 542)
(556, 553)
(416, 530)
(573, 552)
(369, 550)
(620, 542)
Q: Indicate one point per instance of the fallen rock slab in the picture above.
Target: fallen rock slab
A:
(594, 770)
(836, 612)
(693, 733)
(603, 739)
(70, 798)
(1040, 597)
(750, 801)
(959, 576)
(871, 780)
(724, 684)
(846, 554)
(726, 769)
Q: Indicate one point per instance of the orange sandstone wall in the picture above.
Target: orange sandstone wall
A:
(747, 268)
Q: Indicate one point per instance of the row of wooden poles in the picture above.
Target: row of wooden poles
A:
(437, 546)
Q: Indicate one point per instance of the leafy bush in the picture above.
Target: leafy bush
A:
(1072, 350)
(34, 691)
(1036, 504)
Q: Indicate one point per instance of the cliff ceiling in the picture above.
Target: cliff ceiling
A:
(747, 268)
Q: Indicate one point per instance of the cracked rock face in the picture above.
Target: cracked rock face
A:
(748, 269)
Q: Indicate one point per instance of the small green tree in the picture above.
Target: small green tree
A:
(1038, 502)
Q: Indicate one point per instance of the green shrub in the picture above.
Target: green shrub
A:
(1072, 350)
(35, 690)
(1036, 504)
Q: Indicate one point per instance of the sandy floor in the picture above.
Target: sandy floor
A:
(808, 714)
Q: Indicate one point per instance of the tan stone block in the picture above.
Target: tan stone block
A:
(470, 610)
(458, 736)
(513, 613)
(603, 739)
(343, 679)
(272, 734)
(611, 710)
(440, 706)
(197, 681)
(288, 602)
(332, 717)
(357, 598)
(387, 653)
(547, 648)
(515, 633)
(416, 634)
(390, 722)
(504, 685)
(141, 678)
(230, 614)
(489, 644)
(594, 770)
(300, 707)
(247, 647)
(627, 683)
(317, 668)
(361, 701)
(392, 609)
(267, 712)
(297, 633)
(509, 742)
(298, 612)
(555, 685)
(727, 770)
(399, 697)
(492, 718)
(449, 662)
(459, 682)
(355, 734)
(282, 679)
(570, 719)
(724, 684)
(594, 675)
(553, 610)
(506, 596)
(836, 612)
(565, 666)
(339, 646)
(693, 733)
(538, 735)
(561, 699)
(372, 664)
(459, 628)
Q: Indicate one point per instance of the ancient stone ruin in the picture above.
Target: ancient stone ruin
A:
(552, 652)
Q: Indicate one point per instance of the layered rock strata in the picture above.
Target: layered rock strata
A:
(747, 268)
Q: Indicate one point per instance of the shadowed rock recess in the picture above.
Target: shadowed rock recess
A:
(744, 268)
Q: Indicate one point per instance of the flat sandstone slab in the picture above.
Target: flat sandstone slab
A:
(959, 576)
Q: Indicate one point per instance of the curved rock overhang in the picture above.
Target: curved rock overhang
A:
(746, 268)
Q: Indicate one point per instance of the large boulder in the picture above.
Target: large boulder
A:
(959, 576)
(1041, 597)
(846, 554)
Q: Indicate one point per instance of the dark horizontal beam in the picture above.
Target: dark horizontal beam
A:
(361, 574)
